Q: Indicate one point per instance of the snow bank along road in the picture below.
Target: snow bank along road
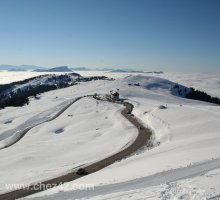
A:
(165, 177)
(143, 138)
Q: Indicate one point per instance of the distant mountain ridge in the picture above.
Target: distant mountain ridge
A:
(126, 71)
(80, 69)
(19, 67)
(69, 69)
(55, 69)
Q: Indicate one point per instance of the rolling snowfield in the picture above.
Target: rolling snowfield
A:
(183, 164)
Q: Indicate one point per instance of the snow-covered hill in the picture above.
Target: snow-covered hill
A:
(17, 93)
(66, 143)
(186, 138)
(158, 84)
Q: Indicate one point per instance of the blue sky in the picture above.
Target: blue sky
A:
(169, 35)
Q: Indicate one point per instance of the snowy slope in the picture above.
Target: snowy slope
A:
(187, 132)
(65, 143)
(46, 80)
(197, 185)
(18, 120)
(207, 82)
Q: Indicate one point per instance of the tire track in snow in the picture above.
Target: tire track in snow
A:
(15, 138)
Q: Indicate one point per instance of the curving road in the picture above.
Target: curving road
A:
(143, 139)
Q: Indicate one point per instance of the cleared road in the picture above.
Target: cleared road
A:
(143, 139)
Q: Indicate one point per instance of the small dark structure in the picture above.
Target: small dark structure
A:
(140, 127)
(37, 97)
(81, 172)
(114, 95)
(162, 107)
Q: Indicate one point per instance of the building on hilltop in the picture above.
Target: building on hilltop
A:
(114, 95)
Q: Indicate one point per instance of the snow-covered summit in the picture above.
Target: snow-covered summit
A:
(158, 84)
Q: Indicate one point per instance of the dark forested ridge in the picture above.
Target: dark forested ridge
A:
(191, 93)
(202, 96)
(18, 93)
